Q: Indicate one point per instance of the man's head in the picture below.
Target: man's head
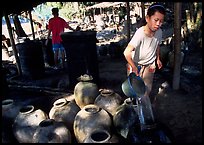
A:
(156, 7)
(55, 11)
(155, 16)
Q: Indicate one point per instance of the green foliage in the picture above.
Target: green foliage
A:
(66, 9)
(44, 11)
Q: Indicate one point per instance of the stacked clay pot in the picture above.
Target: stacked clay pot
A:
(85, 91)
(108, 100)
(64, 111)
(51, 131)
(91, 118)
(10, 110)
(125, 117)
(26, 123)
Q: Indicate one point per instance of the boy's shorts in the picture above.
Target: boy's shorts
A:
(57, 46)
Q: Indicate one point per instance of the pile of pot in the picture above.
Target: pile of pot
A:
(93, 116)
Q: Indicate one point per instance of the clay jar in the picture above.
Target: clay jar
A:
(51, 131)
(26, 123)
(126, 117)
(108, 100)
(10, 110)
(64, 111)
(85, 91)
(89, 119)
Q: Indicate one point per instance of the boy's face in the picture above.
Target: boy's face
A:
(155, 21)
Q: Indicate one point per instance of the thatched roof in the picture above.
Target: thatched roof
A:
(105, 5)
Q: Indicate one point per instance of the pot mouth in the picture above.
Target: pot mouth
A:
(46, 122)
(130, 101)
(85, 78)
(60, 102)
(91, 108)
(100, 136)
(7, 102)
(107, 92)
(27, 109)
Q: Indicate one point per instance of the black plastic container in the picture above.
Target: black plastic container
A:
(31, 59)
(81, 53)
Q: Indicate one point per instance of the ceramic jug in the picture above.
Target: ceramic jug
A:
(108, 100)
(85, 91)
(51, 131)
(26, 123)
(90, 118)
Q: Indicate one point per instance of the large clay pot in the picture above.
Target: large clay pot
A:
(108, 100)
(10, 110)
(26, 123)
(89, 119)
(85, 91)
(64, 111)
(51, 131)
(102, 136)
(126, 117)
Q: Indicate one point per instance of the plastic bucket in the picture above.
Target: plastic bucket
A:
(133, 86)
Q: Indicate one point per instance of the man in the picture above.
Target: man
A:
(57, 25)
(143, 49)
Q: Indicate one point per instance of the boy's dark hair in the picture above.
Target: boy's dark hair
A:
(55, 10)
(156, 7)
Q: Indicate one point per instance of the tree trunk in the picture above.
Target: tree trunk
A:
(177, 45)
(143, 9)
(128, 21)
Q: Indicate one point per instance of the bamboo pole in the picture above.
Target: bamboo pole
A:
(31, 23)
(177, 45)
(13, 44)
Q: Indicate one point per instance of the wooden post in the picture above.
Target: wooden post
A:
(177, 45)
(128, 21)
(13, 44)
(143, 9)
(31, 23)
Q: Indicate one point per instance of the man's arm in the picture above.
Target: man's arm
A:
(48, 36)
(159, 63)
(69, 27)
(128, 56)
